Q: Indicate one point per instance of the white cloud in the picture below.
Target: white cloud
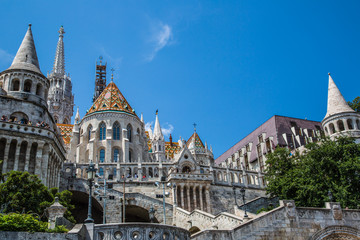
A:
(5, 57)
(166, 128)
(147, 125)
(161, 38)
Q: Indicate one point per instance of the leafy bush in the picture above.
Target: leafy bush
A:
(21, 222)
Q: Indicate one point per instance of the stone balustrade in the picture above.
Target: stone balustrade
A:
(135, 231)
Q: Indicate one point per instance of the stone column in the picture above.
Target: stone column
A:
(44, 167)
(27, 156)
(6, 155)
(201, 198)
(207, 193)
(188, 198)
(17, 155)
(336, 127)
(195, 197)
(182, 196)
(125, 146)
(346, 126)
(38, 160)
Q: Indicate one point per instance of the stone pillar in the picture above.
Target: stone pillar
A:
(6, 155)
(195, 197)
(207, 193)
(336, 127)
(201, 198)
(27, 156)
(125, 146)
(182, 196)
(346, 126)
(44, 167)
(38, 160)
(17, 155)
(188, 198)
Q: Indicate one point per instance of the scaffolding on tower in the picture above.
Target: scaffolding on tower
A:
(100, 80)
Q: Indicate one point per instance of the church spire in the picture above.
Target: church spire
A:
(59, 63)
(26, 57)
(157, 134)
(336, 101)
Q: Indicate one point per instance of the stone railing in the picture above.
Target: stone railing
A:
(191, 176)
(30, 129)
(204, 220)
(135, 231)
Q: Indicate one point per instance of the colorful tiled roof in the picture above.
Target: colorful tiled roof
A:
(198, 142)
(111, 99)
(65, 131)
(170, 148)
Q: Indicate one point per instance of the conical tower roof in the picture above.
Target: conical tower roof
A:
(111, 99)
(336, 101)
(198, 143)
(26, 57)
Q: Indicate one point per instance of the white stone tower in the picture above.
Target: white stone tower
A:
(158, 141)
(340, 118)
(61, 99)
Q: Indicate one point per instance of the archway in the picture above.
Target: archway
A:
(81, 202)
(193, 230)
(337, 232)
(135, 213)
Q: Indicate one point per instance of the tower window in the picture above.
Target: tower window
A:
(102, 155)
(116, 131)
(89, 131)
(15, 85)
(129, 132)
(102, 131)
(116, 155)
(27, 86)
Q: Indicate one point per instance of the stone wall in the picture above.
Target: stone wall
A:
(38, 236)
(291, 222)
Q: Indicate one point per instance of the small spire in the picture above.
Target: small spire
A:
(142, 117)
(157, 111)
(170, 139)
(157, 129)
(77, 116)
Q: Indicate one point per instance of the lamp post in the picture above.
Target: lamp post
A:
(165, 194)
(242, 193)
(90, 175)
(152, 214)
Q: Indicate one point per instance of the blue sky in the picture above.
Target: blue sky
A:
(226, 65)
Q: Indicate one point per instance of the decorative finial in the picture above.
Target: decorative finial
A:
(328, 73)
(101, 58)
(61, 31)
(194, 124)
(157, 111)
(112, 74)
(29, 25)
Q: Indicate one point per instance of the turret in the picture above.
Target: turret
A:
(23, 79)
(158, 141)
(340, 118)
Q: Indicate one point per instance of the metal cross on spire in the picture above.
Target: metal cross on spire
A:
(112, 73)
(194, 124)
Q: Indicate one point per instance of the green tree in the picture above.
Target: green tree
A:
(24, 193)
(307, 178)
(355, 104)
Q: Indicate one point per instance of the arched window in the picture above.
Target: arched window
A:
(101, 171)
(89, 132)
(116, 155)
(27, 86)
(350, 124)
(38, 89)
(15, 85)
(102, 131)
(340, 124)
(116, 131)
(102, 155)
(332, 128)
(129, 132)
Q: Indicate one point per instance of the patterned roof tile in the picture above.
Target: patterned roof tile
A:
(66, 132)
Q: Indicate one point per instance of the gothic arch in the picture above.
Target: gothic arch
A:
(350, 124)
(15, 85)
(337, 233)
